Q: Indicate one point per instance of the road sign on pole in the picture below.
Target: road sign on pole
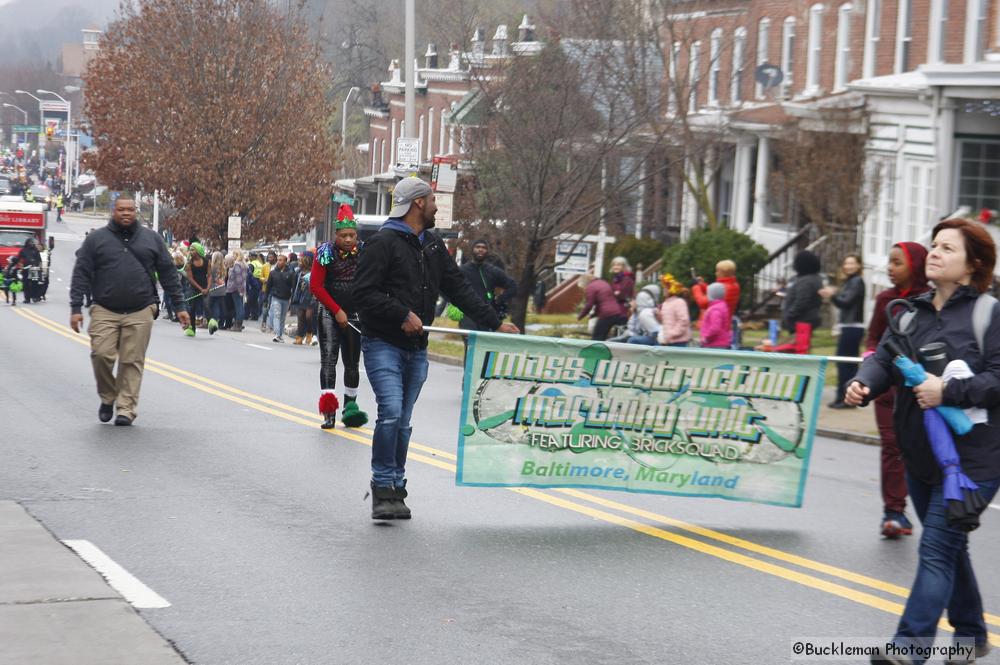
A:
(445, 216)
(444, 174)
(407, 154)
(235, 227)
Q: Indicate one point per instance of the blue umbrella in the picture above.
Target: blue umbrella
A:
(962, 499)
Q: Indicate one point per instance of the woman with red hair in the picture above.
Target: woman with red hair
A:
(960, 264)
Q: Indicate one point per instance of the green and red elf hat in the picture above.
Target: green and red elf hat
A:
(345, 218)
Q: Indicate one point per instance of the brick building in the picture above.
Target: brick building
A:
(917, 80)
(920, 79)
(446, 110)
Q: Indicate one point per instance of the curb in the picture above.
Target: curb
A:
(444, 360)
(844, 435)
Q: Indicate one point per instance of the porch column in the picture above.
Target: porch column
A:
(944, 126)
(760, 190)
(741, 186)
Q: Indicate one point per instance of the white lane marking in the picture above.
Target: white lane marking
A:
(258, 346)
(124, 582)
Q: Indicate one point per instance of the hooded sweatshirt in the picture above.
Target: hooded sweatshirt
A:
(916, 257)
(645, 320)
(716, 328)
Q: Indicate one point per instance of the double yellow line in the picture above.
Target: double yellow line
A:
(574, 500)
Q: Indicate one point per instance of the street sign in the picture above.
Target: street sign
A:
(29, 129)
(444, 174)
(235, 227)
(445, 216)
(408, 154)
(577, 259)
(768, 75)
(234, 244)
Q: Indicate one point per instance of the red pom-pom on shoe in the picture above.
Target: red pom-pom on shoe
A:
(328, 403)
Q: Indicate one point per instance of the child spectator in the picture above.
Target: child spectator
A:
(716, 331)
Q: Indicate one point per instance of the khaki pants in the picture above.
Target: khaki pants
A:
(121, 337)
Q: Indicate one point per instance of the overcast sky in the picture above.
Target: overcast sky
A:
(33, 31)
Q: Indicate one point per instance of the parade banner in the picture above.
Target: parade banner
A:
(548, 412)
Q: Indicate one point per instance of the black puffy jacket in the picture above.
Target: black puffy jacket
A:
(398, 275)
(117, 265)
(979, 450)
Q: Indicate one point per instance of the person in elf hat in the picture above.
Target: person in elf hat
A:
(331, 281)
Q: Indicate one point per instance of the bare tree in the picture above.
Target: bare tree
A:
(220, 105)
(820, 167)
(549, 153)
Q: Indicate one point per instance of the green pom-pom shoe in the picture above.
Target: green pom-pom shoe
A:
(353, 416)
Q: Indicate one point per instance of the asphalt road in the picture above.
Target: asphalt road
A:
(228, 500)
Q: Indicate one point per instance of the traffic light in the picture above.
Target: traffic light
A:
(50, 131)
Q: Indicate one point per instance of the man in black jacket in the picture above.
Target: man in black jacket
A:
(489, 282)
(280, 283)
(400, 272)
(117, 264)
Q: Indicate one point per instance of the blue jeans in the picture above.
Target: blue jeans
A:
(847, 345)
(648, 340)
(197, 308)
(279, 310)
(944, 573)
(238, 312)
(396, 376)
(217, 307)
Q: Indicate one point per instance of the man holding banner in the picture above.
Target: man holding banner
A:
(400, 273)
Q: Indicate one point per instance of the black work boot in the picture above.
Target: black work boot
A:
(105, 412)
(401, 510)
(383, 506)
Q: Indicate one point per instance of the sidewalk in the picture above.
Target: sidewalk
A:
(846, 424)
(57, 610)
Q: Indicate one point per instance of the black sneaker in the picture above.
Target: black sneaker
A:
(105, 412)
(123, 421)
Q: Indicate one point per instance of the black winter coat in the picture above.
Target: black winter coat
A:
(802, 302)
(397, 275)
(117, 281)
(280, 283)
(979, 449)
(850, 300)
(485, 278)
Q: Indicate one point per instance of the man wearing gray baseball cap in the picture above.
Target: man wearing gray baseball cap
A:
(400, 273)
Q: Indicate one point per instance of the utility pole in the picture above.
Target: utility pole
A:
(411, 72)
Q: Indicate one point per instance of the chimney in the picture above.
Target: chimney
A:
(431, 57)
(479, 42)
(500, 41)
(525, 31)
(454, 57)
(395, 76)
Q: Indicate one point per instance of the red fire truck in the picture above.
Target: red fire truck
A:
(19, 220)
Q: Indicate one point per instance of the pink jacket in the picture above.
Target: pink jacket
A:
(675, 320)
(716, 326)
